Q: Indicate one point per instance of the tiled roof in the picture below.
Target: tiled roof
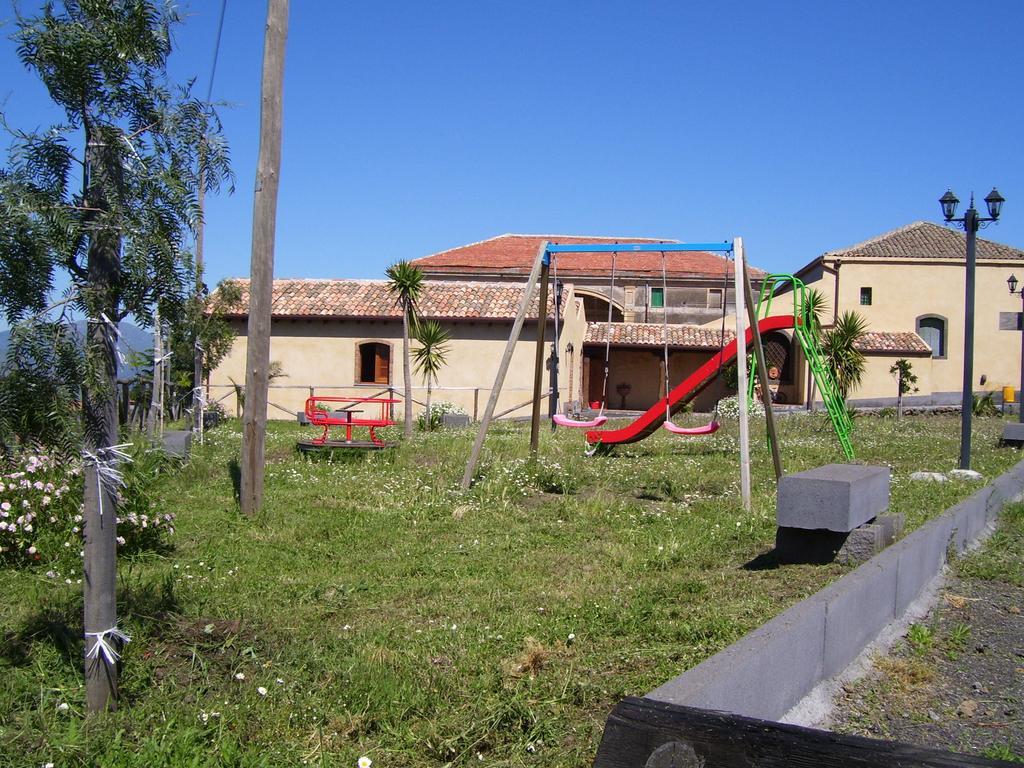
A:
(516, 253)
(925, 240)
(892, 342)
(652, 335)
(371, 299)
(700, 337)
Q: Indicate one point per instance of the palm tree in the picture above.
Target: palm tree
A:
(405, 283)
(430, 357)
(841, 354)
(814, 309)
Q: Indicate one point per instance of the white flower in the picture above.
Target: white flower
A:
(239, 675)
(261, 691)
(364, 762)
(63, 706)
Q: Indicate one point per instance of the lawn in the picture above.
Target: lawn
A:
(373, 609)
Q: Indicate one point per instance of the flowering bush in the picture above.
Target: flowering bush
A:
(437, 410)
(729, 408)
(41, 508)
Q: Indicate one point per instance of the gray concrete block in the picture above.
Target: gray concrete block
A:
(762, 675)
(862, 543)
(921, 554)
(1013, 432)
(177, 442)
(835, 497)
(892, 527)
(302, 418)
(857, 607)
(454, 420)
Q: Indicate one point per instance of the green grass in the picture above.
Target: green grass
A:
(389, 614)
(1002, 557)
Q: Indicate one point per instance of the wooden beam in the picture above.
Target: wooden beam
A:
(762, 375)
(741, 370)
(643, 732)
(506, 359)
(261, 284)
(538, 362)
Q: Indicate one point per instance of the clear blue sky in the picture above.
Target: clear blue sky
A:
(413, 127)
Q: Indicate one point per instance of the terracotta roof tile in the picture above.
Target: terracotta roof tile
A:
(700, 337)
(925, 240)
(652, 335)
(515, 254)
(892, 342)
(371, 299)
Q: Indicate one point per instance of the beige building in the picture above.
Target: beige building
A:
(343, 338)
(909, 285)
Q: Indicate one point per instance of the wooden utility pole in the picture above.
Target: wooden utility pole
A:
(99, 408)
(197, 360)
(762, 374)
(506, 359)
(538, 363)
(156, 398)
(741, 370)
(261, 281)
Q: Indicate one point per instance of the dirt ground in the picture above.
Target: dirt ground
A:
(956, 680)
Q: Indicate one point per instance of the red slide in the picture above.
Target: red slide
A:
(682, 393)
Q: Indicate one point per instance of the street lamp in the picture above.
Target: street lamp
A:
(970, 222)
(1011, 283)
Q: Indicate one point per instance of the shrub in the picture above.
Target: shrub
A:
(437, 410)
(729, 408)
(984, 405)
(41, 508)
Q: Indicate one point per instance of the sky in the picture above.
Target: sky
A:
(410, 128)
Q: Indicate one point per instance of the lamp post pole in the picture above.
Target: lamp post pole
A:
(970, 222)
(1012, 283)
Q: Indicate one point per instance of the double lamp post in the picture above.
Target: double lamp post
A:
(971, 222)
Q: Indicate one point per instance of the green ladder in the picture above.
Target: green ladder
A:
(802, 328)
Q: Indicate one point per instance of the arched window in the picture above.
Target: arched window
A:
(373, 363)
(778, 358)
(932, 329)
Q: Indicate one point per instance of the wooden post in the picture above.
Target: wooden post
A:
(741, 370)
(476, 402)
(122, 403)
(506, 359)
(762, 375)
(197, 347)
(538, 360)
(155, 400)
(99, 410)
(261, 282)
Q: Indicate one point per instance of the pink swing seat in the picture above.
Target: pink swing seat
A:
(708, 429)
(565, 421)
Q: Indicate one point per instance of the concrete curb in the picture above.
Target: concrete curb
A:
(770, 670)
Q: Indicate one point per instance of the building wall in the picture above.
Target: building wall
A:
(322, 354)
(903, 292)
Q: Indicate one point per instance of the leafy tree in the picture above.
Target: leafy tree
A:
(107, 197)
(430, 357)
(905, 381)
(405, 283)
(204, 321)
(845, 361)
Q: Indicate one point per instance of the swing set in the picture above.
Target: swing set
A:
(659, 415)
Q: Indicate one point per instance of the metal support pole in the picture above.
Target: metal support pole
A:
(538, 363)
(967, 401)
(553, 379)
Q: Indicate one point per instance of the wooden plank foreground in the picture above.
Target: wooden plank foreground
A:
(642, 733)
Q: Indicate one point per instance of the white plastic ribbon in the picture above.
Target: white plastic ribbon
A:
(108, 477)
(103, 644)
(117, 336)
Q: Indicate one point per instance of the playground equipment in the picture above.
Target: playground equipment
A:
(801, 324)
(712, 426)
(600, 419)
(346, 412)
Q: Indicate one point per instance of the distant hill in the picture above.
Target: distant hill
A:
(133, 339)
